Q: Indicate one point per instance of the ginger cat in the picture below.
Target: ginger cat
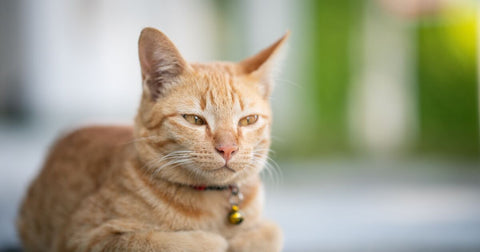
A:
(168, 183)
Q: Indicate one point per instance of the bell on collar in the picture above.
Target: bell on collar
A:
(235, 216)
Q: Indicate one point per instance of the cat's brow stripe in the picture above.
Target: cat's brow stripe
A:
(212, 98)
(231, 91)
(203, 102)
(240, 101)
(230, 96)
(242, 104)
(203, 98)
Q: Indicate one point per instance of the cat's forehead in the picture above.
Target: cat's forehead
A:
(222, 89)
(223, 82)
(213, 68)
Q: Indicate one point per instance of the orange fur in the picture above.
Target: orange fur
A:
(129, 189)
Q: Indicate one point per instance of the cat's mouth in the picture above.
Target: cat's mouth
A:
(226, 167)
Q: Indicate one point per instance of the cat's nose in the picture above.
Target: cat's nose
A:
(226, 150)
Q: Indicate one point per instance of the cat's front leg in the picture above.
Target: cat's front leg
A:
(108, 238)
(266, 237)
(183, 241)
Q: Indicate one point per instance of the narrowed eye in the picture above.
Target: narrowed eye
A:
(248, 120)
(194, 119)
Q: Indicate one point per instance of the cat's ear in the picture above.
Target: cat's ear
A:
(160, 61)
(262, 65)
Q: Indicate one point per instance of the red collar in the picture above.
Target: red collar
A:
(212, 188)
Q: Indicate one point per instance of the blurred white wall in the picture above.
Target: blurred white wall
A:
(382, 101)
(81, 56)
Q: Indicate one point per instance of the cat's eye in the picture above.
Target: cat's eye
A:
(194, 119)
(248, 120)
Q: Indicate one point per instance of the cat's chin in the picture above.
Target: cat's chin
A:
(219, 176)
(223, 175)
(226, 175)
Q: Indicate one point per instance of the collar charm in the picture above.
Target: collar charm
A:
(235, 216)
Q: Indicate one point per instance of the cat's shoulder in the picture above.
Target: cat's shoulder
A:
(94, 136)
(99, 132)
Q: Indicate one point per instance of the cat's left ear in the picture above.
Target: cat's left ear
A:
(160, 61)
(262, 65)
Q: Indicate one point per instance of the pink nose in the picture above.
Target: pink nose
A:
(226, 151)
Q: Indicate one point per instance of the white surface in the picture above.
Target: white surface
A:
(364, 211)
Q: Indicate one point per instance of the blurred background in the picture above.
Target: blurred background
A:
(376, 131)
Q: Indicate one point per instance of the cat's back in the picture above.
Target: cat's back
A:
(76, 167)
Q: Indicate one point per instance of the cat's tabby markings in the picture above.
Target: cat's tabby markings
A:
(132, 188)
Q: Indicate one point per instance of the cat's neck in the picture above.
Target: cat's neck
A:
(139, 165)
(167, 185)
(184, 198)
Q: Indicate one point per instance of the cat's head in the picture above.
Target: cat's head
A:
(203, 123)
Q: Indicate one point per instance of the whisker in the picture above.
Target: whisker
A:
(277, 139)
(290, 82)
(172, 158)
(171, 164)
(270, 167)
(265, 149)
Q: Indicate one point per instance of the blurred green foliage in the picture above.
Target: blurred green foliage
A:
(447, 84)
(332, 27)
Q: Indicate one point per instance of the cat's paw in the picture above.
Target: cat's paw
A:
(205, 241)
(266, 237)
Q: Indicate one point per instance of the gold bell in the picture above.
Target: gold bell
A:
(235, 216)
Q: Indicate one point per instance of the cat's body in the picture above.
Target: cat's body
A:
(133, 189)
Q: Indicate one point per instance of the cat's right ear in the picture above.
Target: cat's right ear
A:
(261, 65)
(160, 61)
